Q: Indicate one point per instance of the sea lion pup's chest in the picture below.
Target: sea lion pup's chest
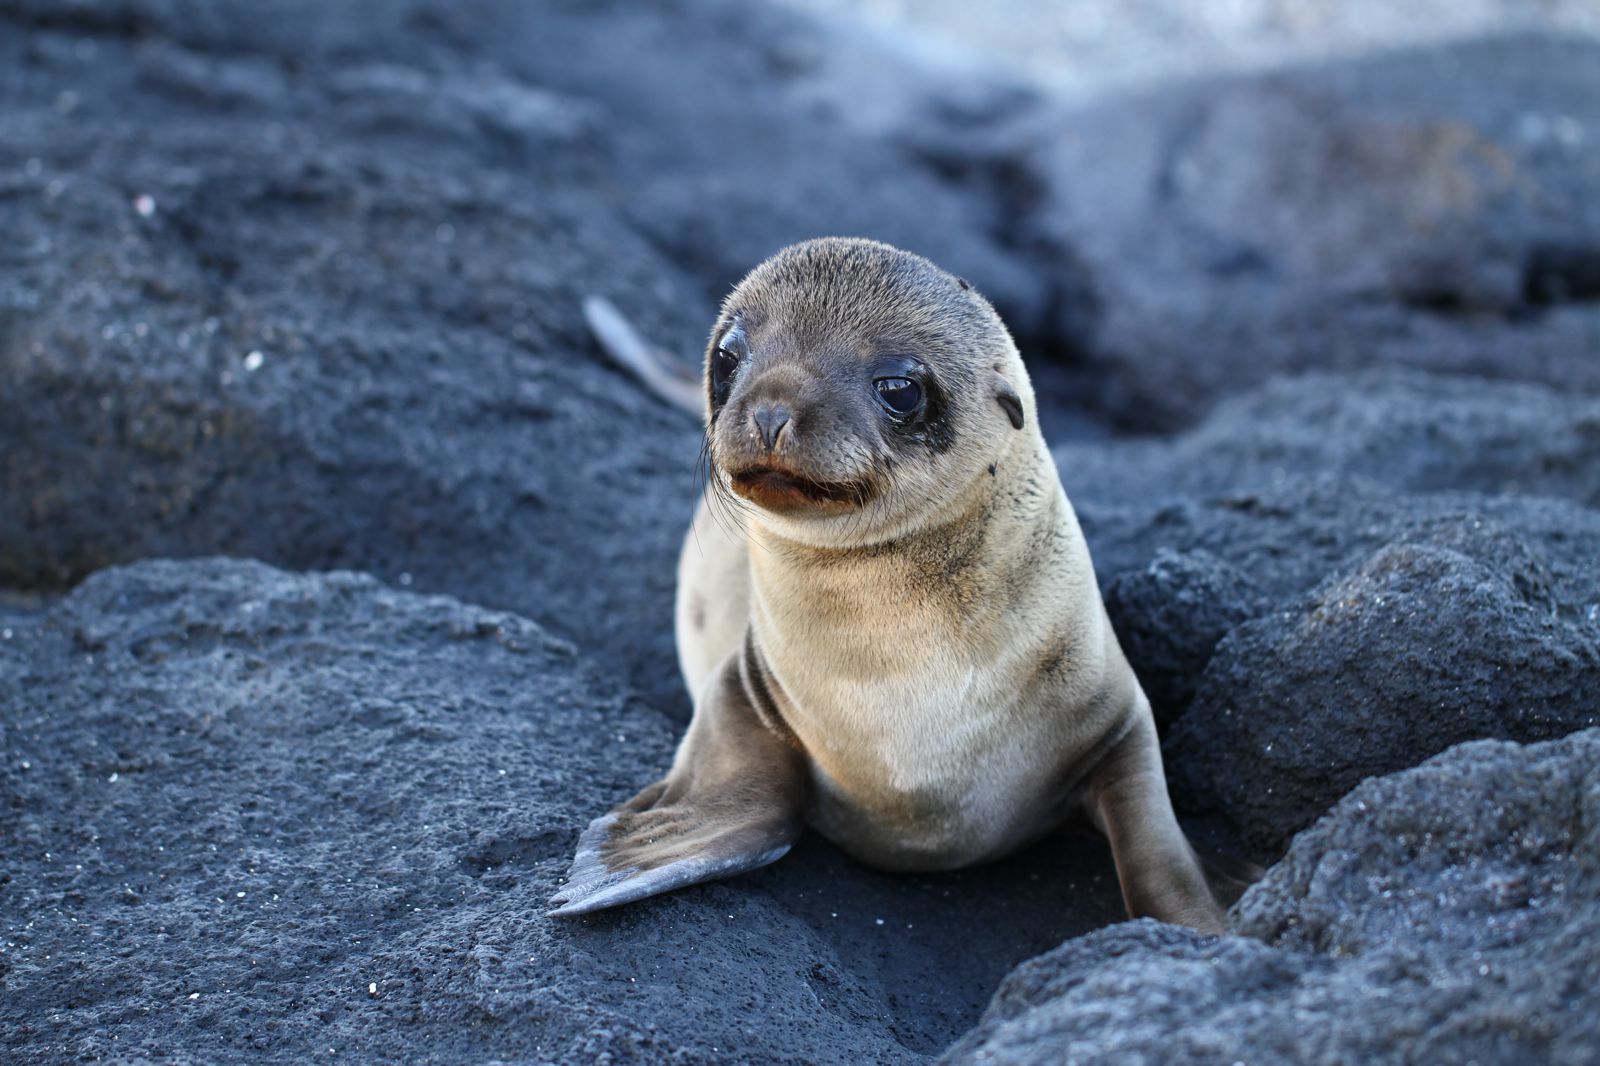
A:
(943, 693)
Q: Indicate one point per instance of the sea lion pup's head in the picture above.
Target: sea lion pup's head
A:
(857, 392)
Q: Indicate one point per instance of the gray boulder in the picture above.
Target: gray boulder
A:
(1429, 208)
(1170, 616)
(1427, 642)
(1445, 914)
(1417, 433)
(1335, 577)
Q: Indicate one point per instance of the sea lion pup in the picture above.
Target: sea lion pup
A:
(886, 612)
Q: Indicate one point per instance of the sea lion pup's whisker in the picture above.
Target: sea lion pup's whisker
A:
(925, 704)
(701, 485)
(717, 484)
(704, 472)
(723, 507)
(726, 508)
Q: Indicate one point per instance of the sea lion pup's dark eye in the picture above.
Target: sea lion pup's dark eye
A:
(723, 364)
(725, 361)
(901, 396)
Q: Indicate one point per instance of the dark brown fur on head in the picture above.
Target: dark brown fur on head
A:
(794, 422)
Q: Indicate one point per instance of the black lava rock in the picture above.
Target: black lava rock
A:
(1170, 616)
(1444, 914)
(1427, 642)
(1335, 577)
(249, 814)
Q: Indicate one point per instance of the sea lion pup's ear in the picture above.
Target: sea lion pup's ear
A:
(1009, 401)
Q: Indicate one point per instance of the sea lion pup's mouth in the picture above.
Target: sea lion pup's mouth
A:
(779, 489)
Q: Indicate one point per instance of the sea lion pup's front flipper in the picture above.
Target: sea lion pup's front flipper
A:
(734, 800)
(1160, 874)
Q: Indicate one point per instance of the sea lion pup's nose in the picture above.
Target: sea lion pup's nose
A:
(769, 420)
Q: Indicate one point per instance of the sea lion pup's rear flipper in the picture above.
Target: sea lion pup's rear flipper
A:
(1160, 874)
(734, 800)
(665, 376)
(1229, 876)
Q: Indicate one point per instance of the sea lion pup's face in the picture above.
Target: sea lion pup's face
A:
(857, 392)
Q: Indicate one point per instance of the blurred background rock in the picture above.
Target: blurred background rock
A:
(1085, 48)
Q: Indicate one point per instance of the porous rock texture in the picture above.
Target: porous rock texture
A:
(1443, 914)
(1339, 575)
(299, 282)
(272, 817)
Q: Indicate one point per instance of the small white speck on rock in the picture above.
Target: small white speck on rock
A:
(145, 204)
(253, 361)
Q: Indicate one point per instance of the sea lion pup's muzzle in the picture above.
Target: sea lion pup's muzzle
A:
(785, 438)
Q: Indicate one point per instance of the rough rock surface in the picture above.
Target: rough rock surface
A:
(1169, 617)
(287, 311)
(1444, 914)
(1337, 576)
(235, 800)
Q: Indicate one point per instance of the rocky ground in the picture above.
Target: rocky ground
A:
(290, 301)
